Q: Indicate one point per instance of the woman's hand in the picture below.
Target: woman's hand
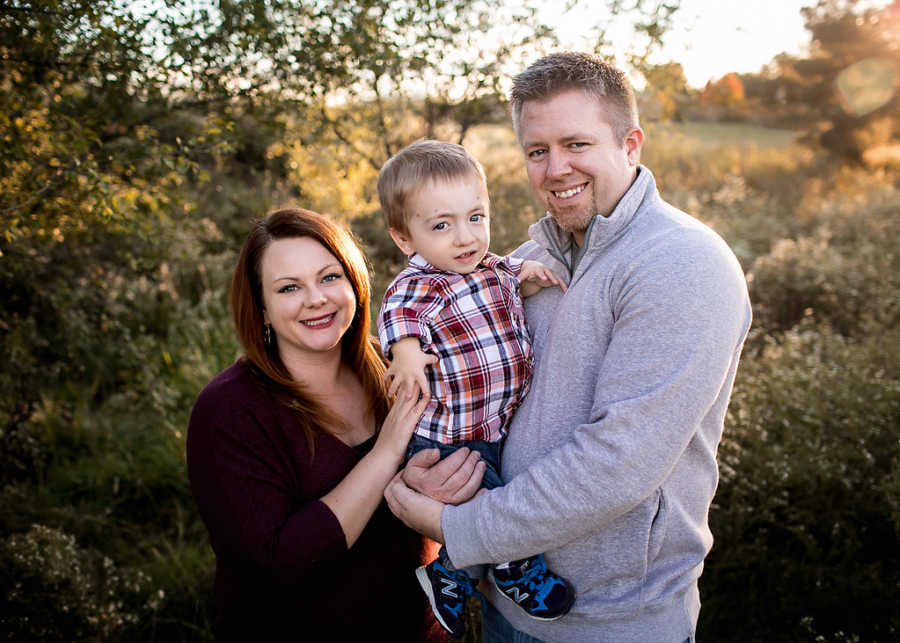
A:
(400, 423)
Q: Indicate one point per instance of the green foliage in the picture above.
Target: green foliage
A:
(805, 520)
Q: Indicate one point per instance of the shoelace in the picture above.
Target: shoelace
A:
(536, 570)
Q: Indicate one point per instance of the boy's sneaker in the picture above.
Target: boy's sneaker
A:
(530, 585)
(447, 591)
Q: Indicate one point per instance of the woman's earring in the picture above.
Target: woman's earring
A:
(267, 334)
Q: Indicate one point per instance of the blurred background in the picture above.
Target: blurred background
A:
(140, 139)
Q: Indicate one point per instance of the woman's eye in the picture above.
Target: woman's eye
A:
(331, 277)
(288, 288)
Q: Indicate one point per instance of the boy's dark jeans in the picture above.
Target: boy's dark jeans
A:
(490, 454)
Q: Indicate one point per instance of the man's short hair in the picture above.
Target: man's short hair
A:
(547, 77)
(413, 166)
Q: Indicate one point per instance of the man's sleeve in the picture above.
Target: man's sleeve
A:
(407, 306)
(679, 328)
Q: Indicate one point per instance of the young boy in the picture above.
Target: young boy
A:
(457, 308)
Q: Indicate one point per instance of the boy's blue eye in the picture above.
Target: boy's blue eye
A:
(475, 218)
(440, 226)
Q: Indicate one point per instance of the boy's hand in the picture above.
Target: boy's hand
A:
(407, 369)
(534, 275)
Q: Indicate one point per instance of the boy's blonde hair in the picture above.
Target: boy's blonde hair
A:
(412, 167)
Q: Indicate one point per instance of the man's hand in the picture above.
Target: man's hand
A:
(453, 480)
(534, 275)
(407, 369)
(417, 511)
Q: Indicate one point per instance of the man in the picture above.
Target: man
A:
(610, 461)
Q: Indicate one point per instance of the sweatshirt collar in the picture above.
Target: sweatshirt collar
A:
(601, 230)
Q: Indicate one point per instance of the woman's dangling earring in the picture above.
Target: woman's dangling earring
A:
(267, 335)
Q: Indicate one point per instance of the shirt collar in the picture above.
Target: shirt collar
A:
(419, 262)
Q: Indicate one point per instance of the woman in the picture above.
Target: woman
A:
(289, 450)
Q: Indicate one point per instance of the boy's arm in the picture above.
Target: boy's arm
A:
(403, 325)
(407, 369)
(534, 275)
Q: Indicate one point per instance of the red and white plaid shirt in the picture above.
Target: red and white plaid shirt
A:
(475, 324)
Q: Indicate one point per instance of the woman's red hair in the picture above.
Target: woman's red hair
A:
(357, 347)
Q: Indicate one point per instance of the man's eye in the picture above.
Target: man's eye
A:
(534, 154)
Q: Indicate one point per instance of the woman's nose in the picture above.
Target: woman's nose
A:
(314, 296)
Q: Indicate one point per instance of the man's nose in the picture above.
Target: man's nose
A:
(557, 163)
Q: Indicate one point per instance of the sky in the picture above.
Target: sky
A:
(711, 37)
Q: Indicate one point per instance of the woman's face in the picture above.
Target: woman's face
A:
(307, 297)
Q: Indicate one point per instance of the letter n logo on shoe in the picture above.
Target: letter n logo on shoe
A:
(449, 587)
(516, 595)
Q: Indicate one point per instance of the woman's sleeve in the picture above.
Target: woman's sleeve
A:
(242, 476)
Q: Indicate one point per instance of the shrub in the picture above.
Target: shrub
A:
(54, 590)
(806, 516)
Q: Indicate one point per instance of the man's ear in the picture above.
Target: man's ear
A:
(402, 241)
(634, 139)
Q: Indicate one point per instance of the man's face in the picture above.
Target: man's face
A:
(576, 166)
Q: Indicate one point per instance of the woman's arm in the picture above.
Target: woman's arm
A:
(244, 470)
(355, 499)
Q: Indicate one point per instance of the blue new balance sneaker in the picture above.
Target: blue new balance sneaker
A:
(530, 585)
(447, 591)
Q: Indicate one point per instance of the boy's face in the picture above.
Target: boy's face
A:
(448, 224)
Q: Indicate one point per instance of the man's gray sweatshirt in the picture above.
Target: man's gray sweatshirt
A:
(610, 464)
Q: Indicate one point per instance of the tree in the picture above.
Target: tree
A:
(667, 85)
(845, 91)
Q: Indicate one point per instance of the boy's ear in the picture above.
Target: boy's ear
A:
(403, 242)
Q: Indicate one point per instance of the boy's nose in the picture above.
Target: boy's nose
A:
(463, 235)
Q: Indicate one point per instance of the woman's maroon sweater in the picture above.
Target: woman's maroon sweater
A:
(283, 570)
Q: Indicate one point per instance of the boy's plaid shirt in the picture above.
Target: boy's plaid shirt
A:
(475, 324)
